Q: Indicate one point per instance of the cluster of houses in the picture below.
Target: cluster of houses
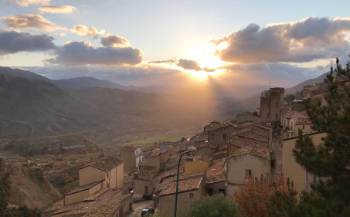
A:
(253, 145)
(100, 193)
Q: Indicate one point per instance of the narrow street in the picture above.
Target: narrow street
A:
(138, 206)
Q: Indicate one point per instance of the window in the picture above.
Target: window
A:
(248, 173)
(273, 163)
(191, 195)
(222, 191)
(224, 136)
(210, 191)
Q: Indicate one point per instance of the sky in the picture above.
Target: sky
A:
(150, 41)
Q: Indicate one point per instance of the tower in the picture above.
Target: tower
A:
(271, 102)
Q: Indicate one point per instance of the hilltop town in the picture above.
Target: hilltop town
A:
(217, 160)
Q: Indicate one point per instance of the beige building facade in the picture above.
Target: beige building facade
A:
(190, 190)
(294, 172)
(244, 165)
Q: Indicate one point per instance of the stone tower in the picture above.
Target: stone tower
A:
(271, 102)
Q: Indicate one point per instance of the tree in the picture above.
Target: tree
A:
(282, 204)
(214, 206)
(257, 198)
(330, 195)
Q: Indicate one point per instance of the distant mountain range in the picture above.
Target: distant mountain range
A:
(34, 106)
(85, 82)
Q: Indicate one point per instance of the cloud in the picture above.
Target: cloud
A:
(275, 74)
(31, 21)
(80, 53)
(64, 9)
(114, 41)
(302, 41)
(188, 64)
(26, 3)
(13, 42)
(84, 30)
(240, 80)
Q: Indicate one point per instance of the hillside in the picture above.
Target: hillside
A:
(34, 106)
(300, 86)
(84, 82)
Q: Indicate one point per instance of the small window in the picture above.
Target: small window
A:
(222, 191)
(210, 191)
(224, 136)
(273, 163)
(191, 195)
(248, 173)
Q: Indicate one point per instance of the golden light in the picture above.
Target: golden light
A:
(205, 55)
(203, 75)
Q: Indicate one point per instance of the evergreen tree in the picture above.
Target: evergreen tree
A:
(330, 195)
(214, 206)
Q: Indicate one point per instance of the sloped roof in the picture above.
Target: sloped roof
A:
(84, 187)
(188, 184)
(257, 152)
(104, 164)
(216, 172)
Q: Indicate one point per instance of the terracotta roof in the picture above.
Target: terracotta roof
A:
(258, 152)
(300, 117)
(104, 164)
(188, 184)
(84, 187)
(105, 204)
(216, 172)
(217, 125)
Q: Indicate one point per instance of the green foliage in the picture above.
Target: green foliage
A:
(214, 206)
(282, 204)
(330, 161)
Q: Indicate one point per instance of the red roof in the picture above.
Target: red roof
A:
(216, 172)
(188, 184)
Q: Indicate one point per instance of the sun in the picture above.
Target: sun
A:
(205, 54)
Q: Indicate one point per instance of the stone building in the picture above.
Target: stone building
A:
(190, 189)
(219, 135)
(127, 155)
(94, 178)
(245, 164)
(101, 193)
(271, 102)
(293, 121)
(250, 135)
(215, 178)
(195, 166)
